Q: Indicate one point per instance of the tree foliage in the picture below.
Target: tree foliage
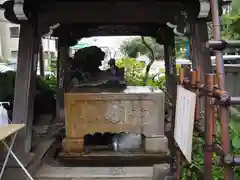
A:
(135, 74)
(231, 22)
(180, 47)
(132, 47)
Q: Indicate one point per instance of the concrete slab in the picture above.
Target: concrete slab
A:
(79, 173)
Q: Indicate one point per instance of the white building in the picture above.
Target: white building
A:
(9, 37)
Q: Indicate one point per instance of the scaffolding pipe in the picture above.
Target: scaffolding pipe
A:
(221, 44)
(225, 140)
(208, 154)
(228, 101)
(236, 160)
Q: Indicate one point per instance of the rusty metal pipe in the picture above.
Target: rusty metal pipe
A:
(216, 148)
(214, 110)
(208, 154)
(193, 78)
(198, 77)
(179, 165)
(225, 139)
(181, 75)
(217, 36)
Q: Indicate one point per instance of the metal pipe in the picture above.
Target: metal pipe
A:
(217, 36)
(221, 44)
(214, 110)
(216, 148)
(208, 154)
(225, 140)
(230, 160)
(179, 165)
(236, 160)
(228, 101)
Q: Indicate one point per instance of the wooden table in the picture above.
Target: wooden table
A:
(6, 131)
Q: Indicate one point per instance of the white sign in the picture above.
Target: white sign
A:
(184, 121)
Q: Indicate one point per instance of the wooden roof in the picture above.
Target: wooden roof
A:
(83, 18)
(96, 18)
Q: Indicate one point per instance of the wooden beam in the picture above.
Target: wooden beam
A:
(88, 30)
(25, 85)
(41, 59)
(170, 60)
(171, 82)
(63, 55)
(199, 54)
(112, 12)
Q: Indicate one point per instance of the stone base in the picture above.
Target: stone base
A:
(156, 144)
(73, 145)
(161, 171)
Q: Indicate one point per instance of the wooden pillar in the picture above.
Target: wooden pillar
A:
(199, 54)
(25, 85)
(63, 55)
(41, 59)
(170, 62)
(171, 82)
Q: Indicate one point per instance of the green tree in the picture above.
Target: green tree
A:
(235, 7)
(231, 21)
(231, 24)
(180, 46)
(235, 24)
(132, 47)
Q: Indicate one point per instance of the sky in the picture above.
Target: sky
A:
(107, 41)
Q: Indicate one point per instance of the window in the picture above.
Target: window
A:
(14, 32)
(14, 54)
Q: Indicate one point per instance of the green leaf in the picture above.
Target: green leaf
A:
(236, 142)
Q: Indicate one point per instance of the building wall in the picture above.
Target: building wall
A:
(9, 44)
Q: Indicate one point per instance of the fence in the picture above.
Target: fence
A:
(232, 78)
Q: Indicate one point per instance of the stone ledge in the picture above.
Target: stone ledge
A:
(94, 172)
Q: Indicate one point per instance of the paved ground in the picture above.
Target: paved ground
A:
(47, 172)
(44, 131)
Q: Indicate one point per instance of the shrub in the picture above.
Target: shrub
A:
(135, 73)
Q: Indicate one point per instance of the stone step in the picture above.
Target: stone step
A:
(47, 172)
(150, 178)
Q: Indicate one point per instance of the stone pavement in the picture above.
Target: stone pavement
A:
(47, 172)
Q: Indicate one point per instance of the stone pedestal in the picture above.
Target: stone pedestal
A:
(137, 110)
(156, 144)
(161, 172)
